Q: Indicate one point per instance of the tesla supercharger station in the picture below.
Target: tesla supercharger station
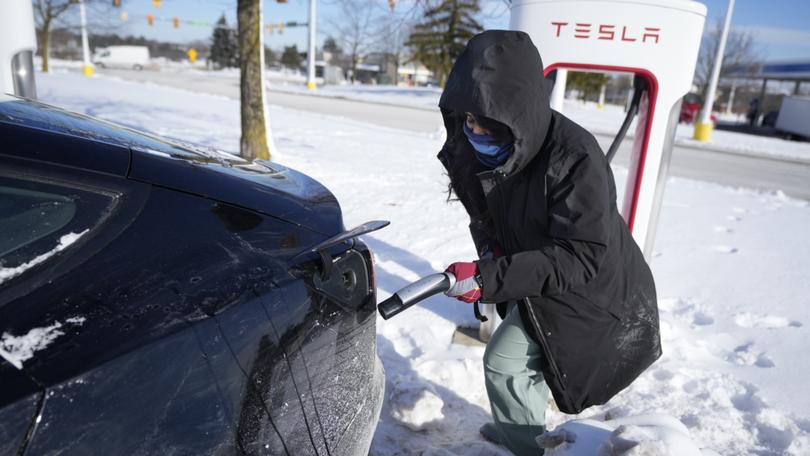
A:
(18, 42)
(656, 41)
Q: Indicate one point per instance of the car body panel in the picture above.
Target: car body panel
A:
(344, 377)
(159, 399)
(19, 405)
(32, 142)
(269, 188)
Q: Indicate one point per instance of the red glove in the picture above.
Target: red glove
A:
(467, 288)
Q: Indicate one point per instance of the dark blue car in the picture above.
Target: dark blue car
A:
(159, 298)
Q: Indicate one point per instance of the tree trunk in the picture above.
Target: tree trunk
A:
(355, 60)
(254, 141)
(46, 45)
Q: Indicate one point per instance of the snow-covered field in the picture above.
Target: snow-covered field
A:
(732, 269)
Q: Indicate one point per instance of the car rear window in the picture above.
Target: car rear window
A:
(27, 216)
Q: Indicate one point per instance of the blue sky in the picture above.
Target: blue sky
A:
(781, 27)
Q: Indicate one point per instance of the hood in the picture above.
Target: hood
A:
(500, 75)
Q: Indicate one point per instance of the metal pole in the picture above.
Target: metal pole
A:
(731, 97)
(760, 103)
(311, 53)
(602, 90)
(558, 93)
(87, 68)
(703, 128)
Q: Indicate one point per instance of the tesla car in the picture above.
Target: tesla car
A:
(161, 298)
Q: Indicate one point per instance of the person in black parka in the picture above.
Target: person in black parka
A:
(577, 297)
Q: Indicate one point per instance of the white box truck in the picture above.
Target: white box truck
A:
(794, 116)
(134, 57)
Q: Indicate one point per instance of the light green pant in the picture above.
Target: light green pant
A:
(517, 393)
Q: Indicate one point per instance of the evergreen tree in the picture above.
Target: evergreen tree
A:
(330, 45)
(291, 58)
(224, 47)
(588, 84)
(440, 38)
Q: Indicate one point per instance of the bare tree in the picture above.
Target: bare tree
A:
(354, 29)
(46, 13)
(50, 17)
(391, 36)
(739, 57)
(254, 140)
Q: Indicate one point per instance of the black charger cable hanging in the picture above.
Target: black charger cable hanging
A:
(639, 88)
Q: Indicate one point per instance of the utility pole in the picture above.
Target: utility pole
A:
(703, 127)
(87, 68)
(311, 52)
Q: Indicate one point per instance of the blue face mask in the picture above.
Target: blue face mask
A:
(489, 151)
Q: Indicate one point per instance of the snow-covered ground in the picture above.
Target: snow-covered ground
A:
(731, 268)
(606, 120)
(421, 97)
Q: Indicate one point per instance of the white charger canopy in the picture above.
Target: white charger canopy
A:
(655, 40)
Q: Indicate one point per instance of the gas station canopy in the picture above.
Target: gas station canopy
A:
(785, 71)
(775, 71)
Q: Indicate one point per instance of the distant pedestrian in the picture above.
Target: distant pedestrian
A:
(753, 112)
(577, 297)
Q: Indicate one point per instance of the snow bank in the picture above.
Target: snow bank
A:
(640, 435)
(415, 404)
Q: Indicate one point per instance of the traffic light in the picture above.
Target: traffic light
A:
(270, 28)
(176, 22)
(116, 3)
(392, 4)
(281, 1)
(280, 27)
(156, 3)
(150, 19)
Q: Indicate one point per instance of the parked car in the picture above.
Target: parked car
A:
(160, 298)
(128, 57)
(690, 109)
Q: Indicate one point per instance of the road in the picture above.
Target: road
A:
(766, 173)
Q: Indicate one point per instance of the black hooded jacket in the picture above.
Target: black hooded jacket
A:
(584, 291)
